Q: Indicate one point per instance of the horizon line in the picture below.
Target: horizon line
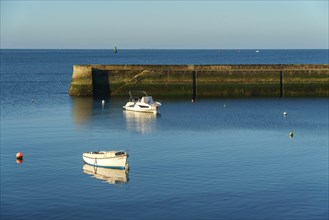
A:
(165, 49)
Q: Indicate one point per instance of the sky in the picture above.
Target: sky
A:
(221, 24)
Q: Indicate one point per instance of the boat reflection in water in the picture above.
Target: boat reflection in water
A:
(112, 176)
(140, 121)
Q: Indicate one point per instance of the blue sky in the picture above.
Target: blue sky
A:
(164, 24)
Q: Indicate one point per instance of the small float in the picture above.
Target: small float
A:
(107, 159)
(141, 103)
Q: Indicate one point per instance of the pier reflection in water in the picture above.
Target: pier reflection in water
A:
(140, 121)
(82, 109)
(111, 176)
(89, 111)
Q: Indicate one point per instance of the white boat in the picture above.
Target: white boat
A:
(143, 103)
(112, 176)
(108, 159)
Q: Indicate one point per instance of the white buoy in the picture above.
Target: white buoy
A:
(103, 102)
(224, 105)
(285, 113)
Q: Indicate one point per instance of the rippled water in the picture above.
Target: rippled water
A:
(211, 159)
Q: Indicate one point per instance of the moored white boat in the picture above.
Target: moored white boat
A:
(142, 103)
(108, 159)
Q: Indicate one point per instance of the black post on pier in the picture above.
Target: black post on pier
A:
(281, 83)
(194, 76)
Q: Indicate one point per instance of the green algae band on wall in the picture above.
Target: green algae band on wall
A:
(197, 81)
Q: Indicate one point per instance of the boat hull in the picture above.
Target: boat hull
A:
(147, 110)
(106, 160)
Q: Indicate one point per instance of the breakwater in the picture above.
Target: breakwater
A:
(195, 81)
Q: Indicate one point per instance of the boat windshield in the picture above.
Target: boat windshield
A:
(147, 99)
(137, 94)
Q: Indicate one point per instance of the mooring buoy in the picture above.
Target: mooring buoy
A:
(291, 134)
(19, 156)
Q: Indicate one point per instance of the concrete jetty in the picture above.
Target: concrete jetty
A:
(196, 81)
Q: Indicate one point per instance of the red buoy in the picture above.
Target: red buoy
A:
(19, 156)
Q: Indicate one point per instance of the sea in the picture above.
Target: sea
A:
(229, 158)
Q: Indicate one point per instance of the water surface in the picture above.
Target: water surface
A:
(211, 159)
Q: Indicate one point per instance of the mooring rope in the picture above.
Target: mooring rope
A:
(133, 78)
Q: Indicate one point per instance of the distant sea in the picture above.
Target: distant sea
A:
(211, 159)
(156, 56)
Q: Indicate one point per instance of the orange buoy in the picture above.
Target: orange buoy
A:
(19, 156)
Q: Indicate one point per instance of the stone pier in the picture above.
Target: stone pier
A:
(196, 81)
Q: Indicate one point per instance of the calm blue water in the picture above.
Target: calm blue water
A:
(212, 159)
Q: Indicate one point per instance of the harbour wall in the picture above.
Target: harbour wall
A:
(196, 81)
